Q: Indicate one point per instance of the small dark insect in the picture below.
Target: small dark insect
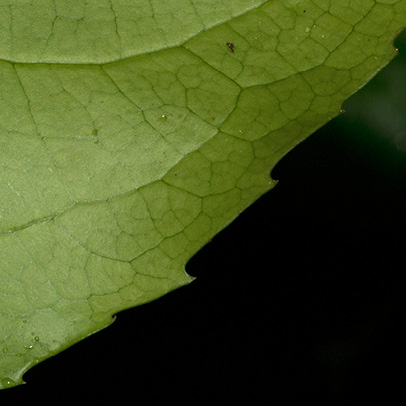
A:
(230, 46)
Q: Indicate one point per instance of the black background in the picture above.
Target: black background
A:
(300, 301)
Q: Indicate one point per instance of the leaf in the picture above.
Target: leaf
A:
(130, 135)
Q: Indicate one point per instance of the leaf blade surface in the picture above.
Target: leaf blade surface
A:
(117, 166)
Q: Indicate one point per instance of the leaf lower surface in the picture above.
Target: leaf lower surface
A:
(132, 132)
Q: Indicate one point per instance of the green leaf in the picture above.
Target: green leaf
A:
(131, 134)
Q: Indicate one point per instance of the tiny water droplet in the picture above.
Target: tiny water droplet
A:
(36, 338)
(5, 350)
(29, 347)
(307, 29)
(163, 117)
(7, 382)
(24, 321)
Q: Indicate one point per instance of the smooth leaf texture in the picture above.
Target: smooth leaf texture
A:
(131, 132)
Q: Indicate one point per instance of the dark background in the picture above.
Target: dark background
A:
(300, 301)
